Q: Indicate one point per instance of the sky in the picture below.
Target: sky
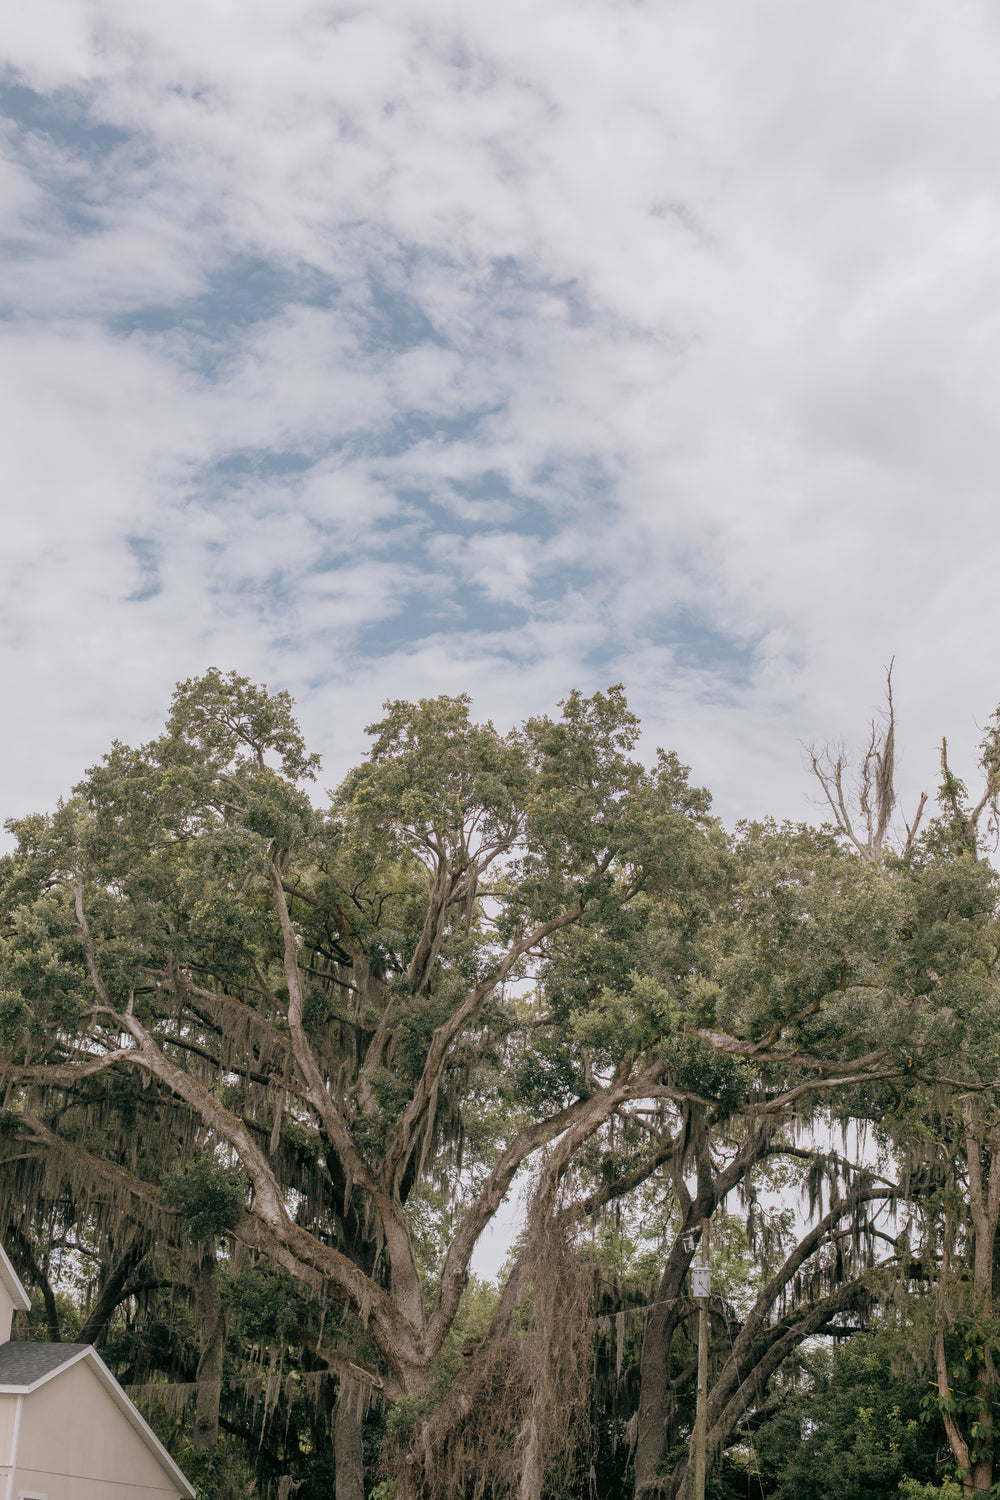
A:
(388, 350)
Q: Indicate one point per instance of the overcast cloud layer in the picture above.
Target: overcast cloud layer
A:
(396, 349)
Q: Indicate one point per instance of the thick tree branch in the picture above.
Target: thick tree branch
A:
(406, 1279)
(402, 1143)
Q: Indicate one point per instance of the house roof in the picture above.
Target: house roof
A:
(26, 1366)
(9, 1278)
(23, 1366)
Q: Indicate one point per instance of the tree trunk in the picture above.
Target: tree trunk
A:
(984, 1206)
(348, 1453)
(212, 1339)
(113, 1292)
(657, 1392)
(41, 1280)
(657, 1399)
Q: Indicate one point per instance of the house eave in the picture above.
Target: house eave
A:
(11, 1280)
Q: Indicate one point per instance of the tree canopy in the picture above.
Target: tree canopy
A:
(273, 1061)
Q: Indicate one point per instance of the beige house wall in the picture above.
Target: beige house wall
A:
(6, 1313)
(74, 1444)
(60, 1487)
(8, 1417)
(8, 1429)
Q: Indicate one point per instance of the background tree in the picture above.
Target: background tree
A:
(850, 1425)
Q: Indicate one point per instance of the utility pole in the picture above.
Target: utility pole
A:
(701, 1277)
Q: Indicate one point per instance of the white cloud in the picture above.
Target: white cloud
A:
(682, 319)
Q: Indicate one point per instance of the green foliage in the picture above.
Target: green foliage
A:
(68, 1314)
(13, 1014)
(265, 1303)
(912, 1489)
(479, 1303)
(854, 1431)
(430, 770)
(209, 1194)
(236, 723)
(217, 1474)
(635, 1020)
(486, 928)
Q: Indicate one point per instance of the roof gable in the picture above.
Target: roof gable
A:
(26, 1366)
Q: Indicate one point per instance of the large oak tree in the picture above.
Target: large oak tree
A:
(329, 999)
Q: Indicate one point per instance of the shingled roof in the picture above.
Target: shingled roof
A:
(24, 1365)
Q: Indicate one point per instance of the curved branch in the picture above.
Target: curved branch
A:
(68, 1073)
(401, 1146)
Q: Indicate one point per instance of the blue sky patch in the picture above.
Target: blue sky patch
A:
(394, 318)
(702, 647)
(462, 611)
(63, 117)
(146, 555)
(262, 463)
(245, 291)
